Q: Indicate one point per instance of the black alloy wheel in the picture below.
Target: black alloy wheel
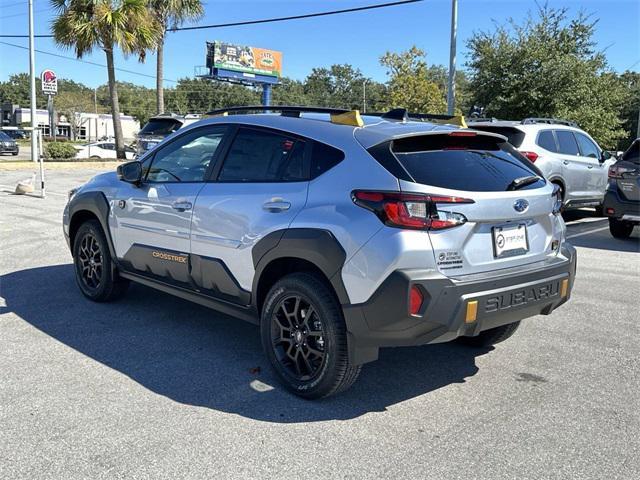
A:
(298, 337)
(90, 261)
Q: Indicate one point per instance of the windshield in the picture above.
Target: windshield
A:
(633, 153)
(5, 137)
(163, 126)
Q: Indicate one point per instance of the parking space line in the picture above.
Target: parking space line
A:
(588, 232)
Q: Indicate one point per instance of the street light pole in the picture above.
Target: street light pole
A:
(32, 78)
(364, 96)
(451, 91)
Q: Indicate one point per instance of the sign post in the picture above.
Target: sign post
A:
(49, 82)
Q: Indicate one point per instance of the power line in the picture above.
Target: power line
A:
(267, 20)
(95, 64)
(296, 17)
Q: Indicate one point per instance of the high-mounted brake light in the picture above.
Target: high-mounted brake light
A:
(531, 156)
(462, 133)
(416, 211)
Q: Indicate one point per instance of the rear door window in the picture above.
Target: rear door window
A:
(264, 156)
(477, 164)
(547, 141)
(567, 144)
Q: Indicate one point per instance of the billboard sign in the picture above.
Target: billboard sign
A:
(246, 60)
(49, 82)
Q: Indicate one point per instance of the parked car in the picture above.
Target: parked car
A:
(159, 127)
(8, 145)
(337, 235)
(100, 150)
(622, 201)
(566, 154)
(15, 133)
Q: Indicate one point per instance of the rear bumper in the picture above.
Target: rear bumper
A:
(384, 321)
(617, 207)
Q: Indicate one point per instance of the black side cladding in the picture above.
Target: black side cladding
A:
(317, 246)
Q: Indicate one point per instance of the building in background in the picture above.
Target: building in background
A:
(82, 125)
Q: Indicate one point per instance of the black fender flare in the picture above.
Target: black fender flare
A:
(314, 245)
(97, 204)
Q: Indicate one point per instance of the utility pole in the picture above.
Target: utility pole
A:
(451, 91)
(32, 78)
(364, 96)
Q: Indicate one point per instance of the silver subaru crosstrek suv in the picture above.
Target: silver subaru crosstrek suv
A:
(337, 234)
(564, 153)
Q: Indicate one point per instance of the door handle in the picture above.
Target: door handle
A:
(181, 206)
(276, 205)
(565, 162)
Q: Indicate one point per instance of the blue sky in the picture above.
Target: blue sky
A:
(356, 38)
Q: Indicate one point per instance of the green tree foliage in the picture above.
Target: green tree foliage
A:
(630, 107)
(547, 67)
(410, 85)
(85, 25)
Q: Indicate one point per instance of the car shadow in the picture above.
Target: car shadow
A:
(604, 241)
(199, 357)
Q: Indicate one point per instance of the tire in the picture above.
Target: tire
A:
(599, 210)
(95, 157)
(490, 337)
(94, 272)
(620, 228)
(308, 352)
(15, 154)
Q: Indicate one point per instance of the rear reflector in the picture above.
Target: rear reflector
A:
(416, 211)
(531, 156)
(415, 300)
(472, 311)
(611, 211)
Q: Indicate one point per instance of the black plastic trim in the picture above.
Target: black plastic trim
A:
(317, 246)
(97, 204)
(384, 156)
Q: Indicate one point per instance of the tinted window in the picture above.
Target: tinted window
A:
(478, 164)
(258, 156)
(187, 158)
(324, 157)
(514, 136)
(547, 141)
(567, 142)
(587, 147)
(163, 126)
(4, 137)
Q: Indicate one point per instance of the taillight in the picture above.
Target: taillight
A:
(417, 211)
(531, 156)
(616, 171)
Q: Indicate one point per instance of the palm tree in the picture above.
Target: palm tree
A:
(106, 24)
(170, 14)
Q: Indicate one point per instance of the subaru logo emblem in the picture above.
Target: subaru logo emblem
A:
(520, 205)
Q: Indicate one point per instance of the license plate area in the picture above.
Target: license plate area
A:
(510, 240)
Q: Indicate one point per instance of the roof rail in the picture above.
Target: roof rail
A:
(551, 121)
(287, 110)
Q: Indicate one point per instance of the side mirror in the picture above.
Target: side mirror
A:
(604, 156)
(130, 172)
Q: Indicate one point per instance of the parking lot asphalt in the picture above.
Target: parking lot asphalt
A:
(155, 387)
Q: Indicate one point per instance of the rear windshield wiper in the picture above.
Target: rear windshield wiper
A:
(518, 183)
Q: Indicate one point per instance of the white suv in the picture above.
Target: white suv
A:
(566, 155)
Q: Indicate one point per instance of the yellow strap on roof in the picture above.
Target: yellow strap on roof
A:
(453, 120)
(352, 118)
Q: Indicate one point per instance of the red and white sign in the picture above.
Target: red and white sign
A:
(49, 82)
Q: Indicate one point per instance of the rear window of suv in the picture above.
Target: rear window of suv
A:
(163, 126)
(475, 163)
(514, 135)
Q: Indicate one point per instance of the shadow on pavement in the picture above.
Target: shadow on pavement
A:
(197, 356)
(604, 241)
